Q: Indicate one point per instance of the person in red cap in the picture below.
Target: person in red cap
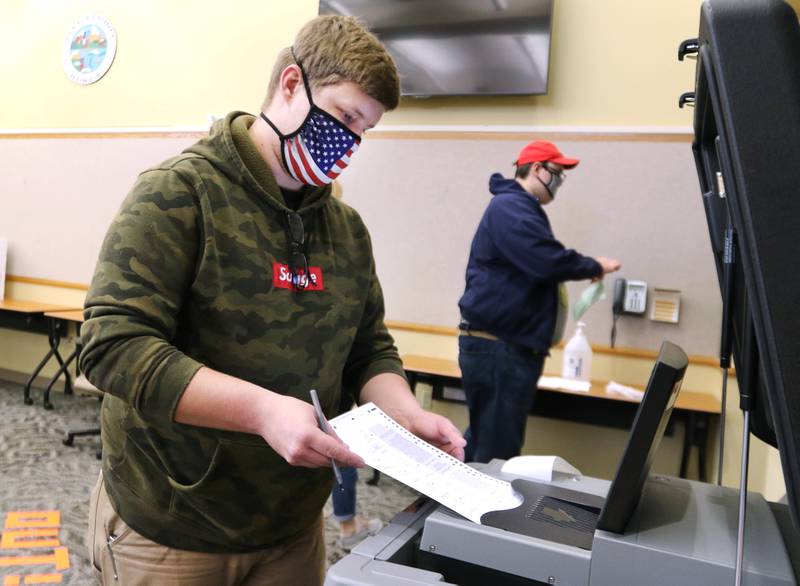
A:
(512, 300)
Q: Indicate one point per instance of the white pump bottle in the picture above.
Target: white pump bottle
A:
(577, 356)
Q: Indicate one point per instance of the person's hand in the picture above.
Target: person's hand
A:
(435, 430)
(609, 265)
(290, 428)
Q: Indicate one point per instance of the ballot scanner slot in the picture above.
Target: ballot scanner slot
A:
(551, 513)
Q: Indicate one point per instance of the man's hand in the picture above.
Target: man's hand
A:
(290, 428)
(609, 265)
(391, 393)
(434, 429)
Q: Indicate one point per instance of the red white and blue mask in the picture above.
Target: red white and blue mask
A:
(320, 149)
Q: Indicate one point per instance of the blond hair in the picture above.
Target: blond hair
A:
(333, 49)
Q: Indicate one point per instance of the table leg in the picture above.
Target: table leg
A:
(63, 369)
(701, 439)
(689, 423)
(54, 339)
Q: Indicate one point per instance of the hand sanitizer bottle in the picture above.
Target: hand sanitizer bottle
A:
(577, 356)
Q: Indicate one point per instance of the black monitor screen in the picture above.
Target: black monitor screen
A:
(747, 150)
(460, 47)
(648, 429)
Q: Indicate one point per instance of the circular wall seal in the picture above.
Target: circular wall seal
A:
(89, 49)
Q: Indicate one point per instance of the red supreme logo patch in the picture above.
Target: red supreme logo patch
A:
(283, 278)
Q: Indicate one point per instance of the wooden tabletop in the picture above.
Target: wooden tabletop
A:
(437, 366)
(690, 400)
(22, 306)
(69, 315)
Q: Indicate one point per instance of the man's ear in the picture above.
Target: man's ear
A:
(291, 80)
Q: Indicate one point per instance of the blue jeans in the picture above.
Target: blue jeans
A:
(344, 499)
(499, 380)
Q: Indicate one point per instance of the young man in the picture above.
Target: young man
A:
(511, 302)
(228, 286)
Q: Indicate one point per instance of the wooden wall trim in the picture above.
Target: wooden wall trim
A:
(596, 348)
(111, 134)
(421, 328)
(559, 136)
(455, 134)
(417, 328)
(46, 282)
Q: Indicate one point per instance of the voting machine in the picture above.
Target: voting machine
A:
(649, 529)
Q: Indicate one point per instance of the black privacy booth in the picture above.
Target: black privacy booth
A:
(650, 529)
(747, 151)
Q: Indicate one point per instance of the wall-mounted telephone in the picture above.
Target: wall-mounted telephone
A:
(630, 298)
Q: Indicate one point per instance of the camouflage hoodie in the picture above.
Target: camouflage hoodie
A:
(189, 275)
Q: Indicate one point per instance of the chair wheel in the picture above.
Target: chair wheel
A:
(28, 401)
(68, 441)
(48, 406)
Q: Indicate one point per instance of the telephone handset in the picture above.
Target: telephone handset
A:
(630, 298)
(619, 297)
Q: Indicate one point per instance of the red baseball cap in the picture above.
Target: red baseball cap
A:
(540, 151)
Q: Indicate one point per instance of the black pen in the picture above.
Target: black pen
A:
(325, 426)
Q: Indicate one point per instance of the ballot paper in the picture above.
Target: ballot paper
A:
(389, 447)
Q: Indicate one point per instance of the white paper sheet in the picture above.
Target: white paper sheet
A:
(557, 382)
(538, 467)
(387, 446)
(624, 390)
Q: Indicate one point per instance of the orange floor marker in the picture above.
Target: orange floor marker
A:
(43, 579)
(59, 557)
(22, 538)
(31, 519)
(15, 579)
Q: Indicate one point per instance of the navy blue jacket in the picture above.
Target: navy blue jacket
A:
(515, 266)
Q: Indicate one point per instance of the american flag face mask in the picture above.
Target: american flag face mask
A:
(320, 149)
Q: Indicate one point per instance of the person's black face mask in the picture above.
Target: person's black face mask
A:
(556, 180)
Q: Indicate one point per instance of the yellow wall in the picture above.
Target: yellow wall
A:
(613, 63)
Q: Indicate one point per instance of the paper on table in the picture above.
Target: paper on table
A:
(557, 382)
(538, 467)
(389, 447)
(624, 390)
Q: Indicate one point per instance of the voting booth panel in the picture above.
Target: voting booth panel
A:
(747, 144)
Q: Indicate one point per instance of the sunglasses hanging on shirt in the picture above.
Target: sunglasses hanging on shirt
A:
(297, 257)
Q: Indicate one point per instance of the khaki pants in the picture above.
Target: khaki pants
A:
(134, 560)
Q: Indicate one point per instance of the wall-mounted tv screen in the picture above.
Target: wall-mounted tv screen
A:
(460, 47)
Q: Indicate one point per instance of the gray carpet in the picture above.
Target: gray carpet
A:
(38, 473)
